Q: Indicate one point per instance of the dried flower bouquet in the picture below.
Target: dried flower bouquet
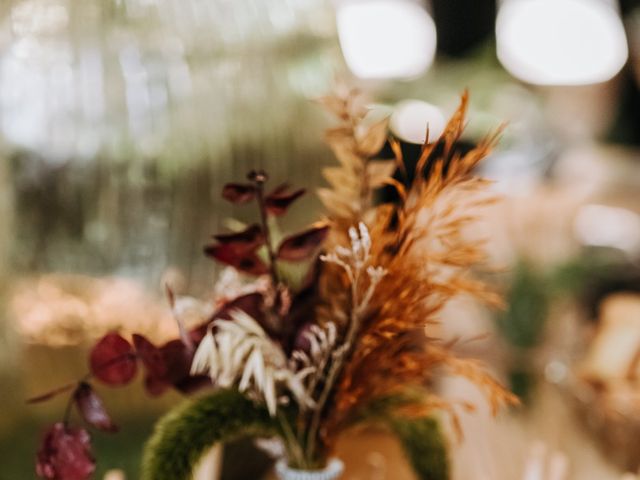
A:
(303, 360)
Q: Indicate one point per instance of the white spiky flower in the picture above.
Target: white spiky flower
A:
(356, 259)
(241, 354)
(321, 348)
(231, 284)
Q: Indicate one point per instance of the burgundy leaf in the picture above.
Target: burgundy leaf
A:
(197, 333)
(192, 384)
(239, 192)
(177, 361)
(150, 356)
(92, 409)
(50, 394)
(153, 359)
(247, 262)
(155, 386)
(247, 240)
(278, 201)
(167, 366)
(302, 245)
(283, 187)
(303, 307)
(251, 303)
(112, 360)
(65, 454)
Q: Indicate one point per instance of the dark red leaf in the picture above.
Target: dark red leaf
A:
(247, 262)
(247, 240)
(155, 386)
(278, 201)
(282, 188)
(301, 246)
(167, 366)
(239, 192)
(52, 393)
(189, 385)
(197, 333)
(251, 303)
(303, 306)
(65, 454)
(153, 359)
(92, 409)
(150, 356)
(177, 361)
(112, 360)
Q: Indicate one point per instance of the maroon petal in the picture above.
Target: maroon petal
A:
(112, 360)
(92, 409)
(247, 240)
(278, 201)
(65, 454)
(247, 262)
(239, 192)
(302, 246)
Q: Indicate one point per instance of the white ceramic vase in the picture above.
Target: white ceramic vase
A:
(332, 471)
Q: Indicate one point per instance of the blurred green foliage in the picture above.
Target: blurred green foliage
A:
(531, 293)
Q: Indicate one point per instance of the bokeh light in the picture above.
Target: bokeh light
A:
(561, 42)
(386, 38)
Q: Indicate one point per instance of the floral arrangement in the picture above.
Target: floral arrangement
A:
(304, 357)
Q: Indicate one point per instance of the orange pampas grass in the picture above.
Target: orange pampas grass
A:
(419, 243)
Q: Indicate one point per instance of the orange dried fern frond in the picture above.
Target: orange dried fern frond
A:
(422, 245)
(354, 142)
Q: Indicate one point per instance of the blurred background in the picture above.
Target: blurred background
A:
(120, 120)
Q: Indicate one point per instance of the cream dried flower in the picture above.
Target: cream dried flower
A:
(241, 354)
(354, 261)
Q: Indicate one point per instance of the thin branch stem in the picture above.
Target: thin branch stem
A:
(184, 335)
(294, 446)
(259, 181)
(336, 367)
(67, 410)
(87, 376)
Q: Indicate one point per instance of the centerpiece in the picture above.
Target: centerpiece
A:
(315, 332)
